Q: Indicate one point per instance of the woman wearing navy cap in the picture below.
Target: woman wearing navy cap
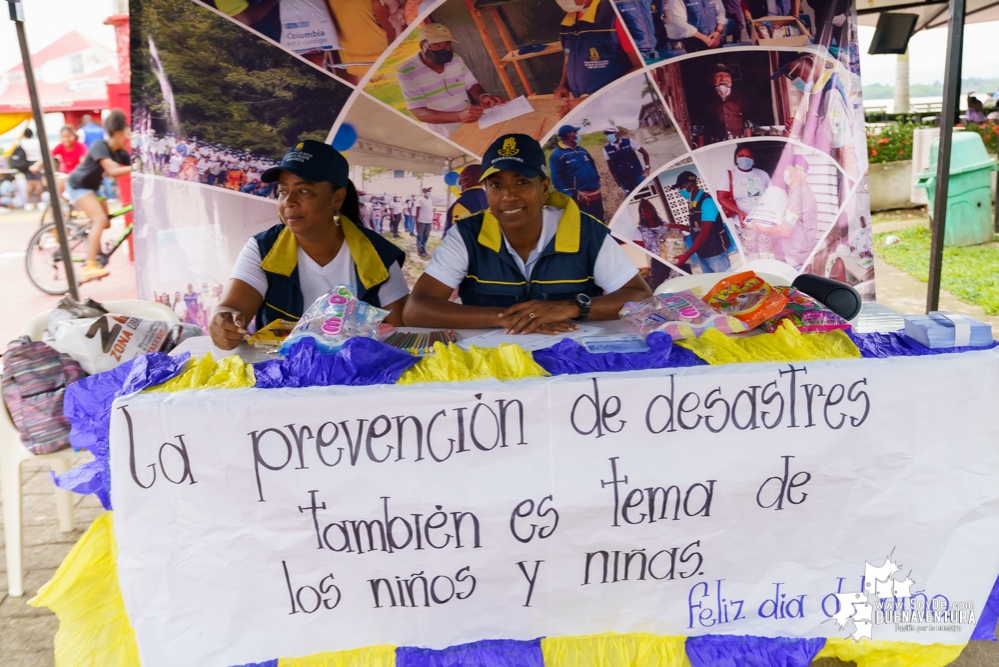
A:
(530, 263)
(316, 247)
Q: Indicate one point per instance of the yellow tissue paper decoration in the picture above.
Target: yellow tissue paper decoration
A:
(890, 654)
(614, 650)
(206, 373)
(785, 344)
(94, 630)
(369, 656)
(450, 363)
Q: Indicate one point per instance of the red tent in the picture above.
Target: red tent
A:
(72, 73)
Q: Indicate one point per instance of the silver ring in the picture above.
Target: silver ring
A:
(531, 315)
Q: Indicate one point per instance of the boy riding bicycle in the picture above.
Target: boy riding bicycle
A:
(107, 156)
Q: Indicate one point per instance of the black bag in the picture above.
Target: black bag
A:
(19, 160)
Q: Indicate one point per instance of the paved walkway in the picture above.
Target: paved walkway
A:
(26, 633)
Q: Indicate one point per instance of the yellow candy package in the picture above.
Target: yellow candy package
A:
(270, 337)
(746, 297)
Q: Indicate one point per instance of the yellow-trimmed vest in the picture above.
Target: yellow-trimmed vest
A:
(372, 257)
(564, 269)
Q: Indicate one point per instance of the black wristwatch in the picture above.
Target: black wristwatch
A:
(584, 304)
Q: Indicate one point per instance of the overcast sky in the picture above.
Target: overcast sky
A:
(47, 20)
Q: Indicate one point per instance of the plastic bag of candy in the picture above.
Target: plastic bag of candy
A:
(334, 318)
(681, 315)
(747, 297)
(271, 337)
(807, 314)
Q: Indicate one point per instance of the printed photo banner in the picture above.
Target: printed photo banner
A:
(760, 101)
(768, 500)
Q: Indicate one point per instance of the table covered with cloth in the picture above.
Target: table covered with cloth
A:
(760, 501)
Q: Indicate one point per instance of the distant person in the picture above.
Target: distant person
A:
(825, 117)
(409, 215)
(622, 154)
(437, 87)
(723, 113)
(596, 47)
(33, 154)
(472, 199)
(67, 154)
(862, 244)
(424, 221)
(90, 131)
(699, 24)
(9, 198)
(976, 113)
(365, 29)
(707, 231)
(396, 211)
(574, 172)
(104, 157)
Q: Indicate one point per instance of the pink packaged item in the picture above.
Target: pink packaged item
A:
(681, 315)
(804, 312)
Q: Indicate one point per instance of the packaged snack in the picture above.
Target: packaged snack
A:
(747, 297)
(271, 337)
(334, 318)
(804, 312)
(101, 343)
(681, 315)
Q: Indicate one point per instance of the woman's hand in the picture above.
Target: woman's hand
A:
(540, 317)
(226, 330)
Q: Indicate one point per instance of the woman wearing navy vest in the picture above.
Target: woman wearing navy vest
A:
(530, 263)
(316, 247)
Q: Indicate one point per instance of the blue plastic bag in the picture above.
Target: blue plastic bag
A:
(361, 361)
(567, 357)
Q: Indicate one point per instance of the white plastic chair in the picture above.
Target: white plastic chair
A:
(13, 453)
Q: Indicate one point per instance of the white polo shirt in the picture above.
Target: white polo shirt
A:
(611, 272)
(423, 88)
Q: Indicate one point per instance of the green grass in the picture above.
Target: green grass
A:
(971, 273)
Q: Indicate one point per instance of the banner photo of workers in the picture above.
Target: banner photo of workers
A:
(530, 339)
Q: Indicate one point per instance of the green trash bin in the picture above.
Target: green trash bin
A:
(969, 201)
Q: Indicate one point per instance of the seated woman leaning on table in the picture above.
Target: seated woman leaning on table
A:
(316, 247)
(530, 263)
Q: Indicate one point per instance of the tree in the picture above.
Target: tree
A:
(230, 86)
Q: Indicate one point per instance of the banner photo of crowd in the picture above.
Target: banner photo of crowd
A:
(626, 97)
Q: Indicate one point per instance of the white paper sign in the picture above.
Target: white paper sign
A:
(742, 499)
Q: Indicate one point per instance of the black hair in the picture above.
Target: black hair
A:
(351, 206)
(739, 147)
(115, 122)
(28, 133)
(67, 128)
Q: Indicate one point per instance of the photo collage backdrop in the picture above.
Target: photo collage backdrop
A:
(755, 102)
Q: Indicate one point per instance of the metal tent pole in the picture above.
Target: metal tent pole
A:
(951, 91)
(17, 16)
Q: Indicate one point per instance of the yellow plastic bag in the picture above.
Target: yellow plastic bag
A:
(613, 650)
(369, 656)
(206, 373)
(890, 654)
(785, 344)
(94, 630)
(450, 363)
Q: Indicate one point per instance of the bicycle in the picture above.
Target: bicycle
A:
(43, 259)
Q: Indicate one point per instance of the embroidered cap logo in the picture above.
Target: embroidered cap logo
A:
(509, 148)
(300, 146)
(594, 55)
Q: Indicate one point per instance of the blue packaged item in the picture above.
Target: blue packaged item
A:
(942, 329)
(334, 318)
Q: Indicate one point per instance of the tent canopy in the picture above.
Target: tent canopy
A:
(387, 139)
(72, 74)
(932, 13)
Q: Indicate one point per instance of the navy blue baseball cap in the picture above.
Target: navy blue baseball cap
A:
(566, 129)
(514, 152)
(314, 161)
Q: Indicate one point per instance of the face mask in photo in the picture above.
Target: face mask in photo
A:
(787, 177)
(685, 193)
(802, 85)
(723, 90)
(744, 163)
(569, 5)
(442, 57)
(612, 138)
